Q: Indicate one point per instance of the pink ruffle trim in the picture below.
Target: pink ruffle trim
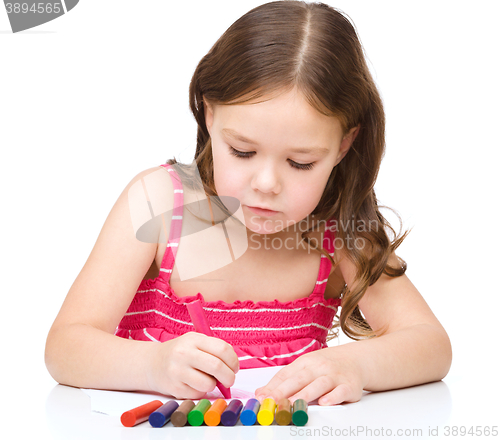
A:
(304, 302)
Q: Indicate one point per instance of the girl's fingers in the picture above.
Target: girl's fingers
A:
(315, 389)
(341, 393)
(193, 385)
(220, 349)
(214, 367)
(281, 376)
(285, 384)
(197, 382)
(263, 392)
(193, 362)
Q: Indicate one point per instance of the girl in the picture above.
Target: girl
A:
(291, 125)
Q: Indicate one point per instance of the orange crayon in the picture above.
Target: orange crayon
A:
(212, 416)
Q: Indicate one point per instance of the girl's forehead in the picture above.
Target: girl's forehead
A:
(278, 102)
(290, 111)
(291, 130)
(288, 104)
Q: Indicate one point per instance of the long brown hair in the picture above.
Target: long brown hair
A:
(313, 47)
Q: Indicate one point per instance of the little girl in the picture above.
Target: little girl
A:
(291, 127)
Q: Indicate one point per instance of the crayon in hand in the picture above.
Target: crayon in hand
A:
(201, 326)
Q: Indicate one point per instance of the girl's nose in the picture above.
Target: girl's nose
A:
(266, 180)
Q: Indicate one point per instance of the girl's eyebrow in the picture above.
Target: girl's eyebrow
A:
(304, 150)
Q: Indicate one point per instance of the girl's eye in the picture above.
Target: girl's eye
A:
(301, 166)
(248, 154)
(242, 154)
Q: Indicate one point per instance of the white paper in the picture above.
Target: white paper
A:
(115, 403)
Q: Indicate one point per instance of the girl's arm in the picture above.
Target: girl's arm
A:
(414, 350)
(81, 348)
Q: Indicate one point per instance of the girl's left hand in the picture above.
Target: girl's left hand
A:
(329, 374)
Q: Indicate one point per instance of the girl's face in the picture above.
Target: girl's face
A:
(276, 155)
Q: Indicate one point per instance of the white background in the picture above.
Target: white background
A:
(89, 100)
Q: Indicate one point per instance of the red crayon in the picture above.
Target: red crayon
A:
(201, 326)
(139, 414)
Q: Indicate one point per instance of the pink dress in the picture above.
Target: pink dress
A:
(265, 333)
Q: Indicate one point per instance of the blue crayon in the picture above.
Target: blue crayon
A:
(230, 416)
(162, 415)
(249, 414)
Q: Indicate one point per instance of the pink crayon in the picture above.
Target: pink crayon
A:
(201, 326)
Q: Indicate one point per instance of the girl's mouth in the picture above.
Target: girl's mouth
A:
(262, 212)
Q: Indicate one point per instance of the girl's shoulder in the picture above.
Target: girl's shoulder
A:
(150, 195)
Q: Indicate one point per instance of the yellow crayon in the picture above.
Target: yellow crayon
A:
(266, 413)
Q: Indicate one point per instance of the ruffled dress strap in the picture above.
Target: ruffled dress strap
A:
(168, 260)
(325, 263)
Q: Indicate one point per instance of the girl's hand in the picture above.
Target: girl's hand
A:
(330, 375)
(185, 367)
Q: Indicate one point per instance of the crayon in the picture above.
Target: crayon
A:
(230, 416)
(162, 415)
(299, 416)
(249, 413)
(266, 413)
(212, 416)
(284, 412)
(179, 417)
(196, 415)
(139, 414)
(200, 323)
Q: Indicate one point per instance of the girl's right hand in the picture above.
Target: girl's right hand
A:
(186, 367)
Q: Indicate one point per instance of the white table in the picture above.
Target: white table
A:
(63, 413)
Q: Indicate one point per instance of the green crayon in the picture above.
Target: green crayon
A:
(196, 415)
(299, 416)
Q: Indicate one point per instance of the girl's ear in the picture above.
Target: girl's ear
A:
(209, 116)
(346, 143)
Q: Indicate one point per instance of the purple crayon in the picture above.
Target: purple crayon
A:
(230, 416)
(162, 415)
